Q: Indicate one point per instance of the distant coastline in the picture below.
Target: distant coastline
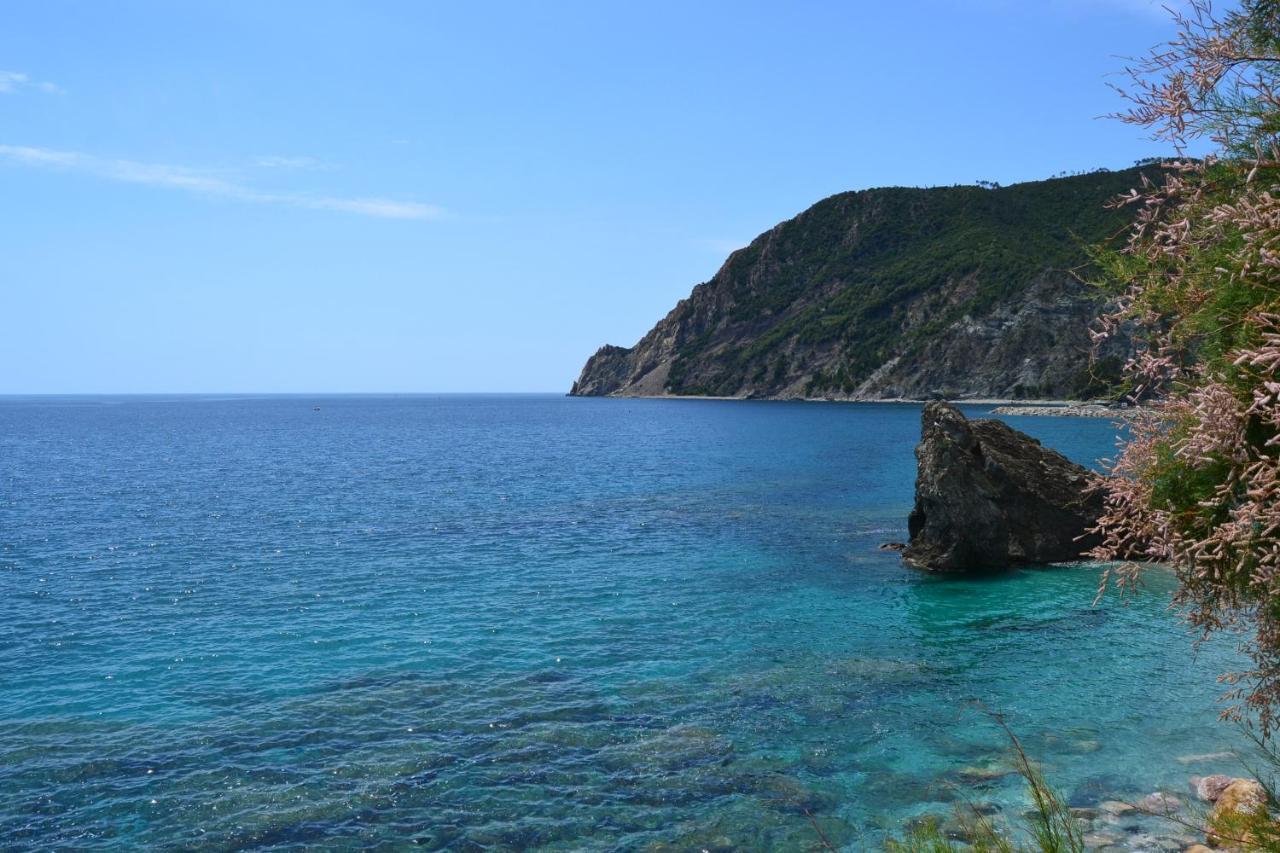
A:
(888, 293)
(1004, 406)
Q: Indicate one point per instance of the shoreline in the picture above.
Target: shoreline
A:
(1070, 410)
(1005, 406)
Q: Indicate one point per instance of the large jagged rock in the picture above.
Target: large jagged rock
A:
(988, 496)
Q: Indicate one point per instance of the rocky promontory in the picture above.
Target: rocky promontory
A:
(964, 292)
(989, 496)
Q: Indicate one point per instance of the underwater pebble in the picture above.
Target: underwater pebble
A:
(1116, 808)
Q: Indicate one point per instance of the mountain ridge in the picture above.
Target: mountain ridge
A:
(895, 293)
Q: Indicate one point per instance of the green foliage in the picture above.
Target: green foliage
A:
(1103, 377)
(1264, 22)
(929, 838)
(1203, 305)
(1185, 487)
(980, 837)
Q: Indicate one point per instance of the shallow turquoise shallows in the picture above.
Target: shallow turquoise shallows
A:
(518, 622)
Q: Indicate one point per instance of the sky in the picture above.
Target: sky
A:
(445, 197)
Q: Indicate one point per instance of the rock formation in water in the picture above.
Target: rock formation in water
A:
(941, 293)
(989, 496)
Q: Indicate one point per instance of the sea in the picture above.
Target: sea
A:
(532, 622)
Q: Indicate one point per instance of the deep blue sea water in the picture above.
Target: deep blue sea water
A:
(513, 622)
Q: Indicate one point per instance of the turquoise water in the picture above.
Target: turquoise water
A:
(535, 622)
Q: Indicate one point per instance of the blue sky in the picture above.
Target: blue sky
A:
(384, 196)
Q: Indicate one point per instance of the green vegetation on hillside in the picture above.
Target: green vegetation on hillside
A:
(848, 273)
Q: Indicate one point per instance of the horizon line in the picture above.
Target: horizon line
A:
(4, 394)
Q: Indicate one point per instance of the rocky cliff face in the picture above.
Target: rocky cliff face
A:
(989, 496)
(958, 292)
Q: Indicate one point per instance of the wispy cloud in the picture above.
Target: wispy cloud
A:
(278, 162)
(15, 81)
(205, 184)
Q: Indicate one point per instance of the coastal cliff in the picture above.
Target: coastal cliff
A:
(958, 292)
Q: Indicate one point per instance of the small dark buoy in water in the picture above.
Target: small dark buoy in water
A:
(315, 408)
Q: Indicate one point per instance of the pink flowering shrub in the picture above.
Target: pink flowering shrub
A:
(1197, 482)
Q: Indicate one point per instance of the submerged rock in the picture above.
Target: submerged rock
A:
(989, 496)
(1208, 756)
(1160, 803)
(1101, 841)
(1209, 788)
(1116, 808)
(1242, 796)
(983, 774)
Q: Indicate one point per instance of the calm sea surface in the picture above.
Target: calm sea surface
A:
(517, 622)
